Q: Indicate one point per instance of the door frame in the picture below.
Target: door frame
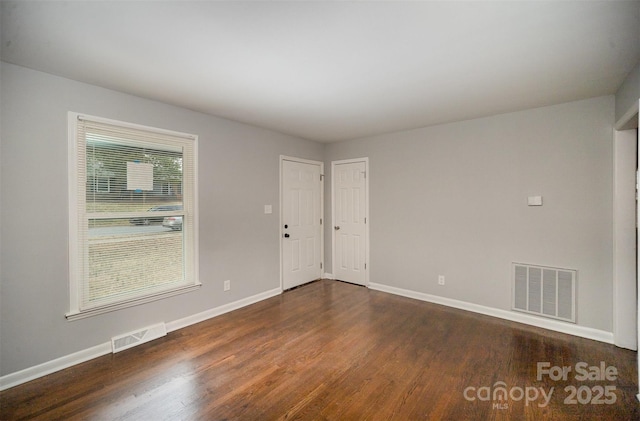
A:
(366, 213)
(625, 129)
(625, 330)
(281, 227)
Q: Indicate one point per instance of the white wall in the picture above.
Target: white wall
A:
(238, 175)
(628, 95)
(452, 200)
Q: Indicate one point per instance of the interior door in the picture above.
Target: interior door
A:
(301, 222)
(349, 221)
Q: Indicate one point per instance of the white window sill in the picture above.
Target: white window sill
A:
(82, 314)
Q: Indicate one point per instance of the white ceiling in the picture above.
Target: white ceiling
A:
(332, 71)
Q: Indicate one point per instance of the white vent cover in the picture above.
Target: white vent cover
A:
(131, 339)
(545, 291)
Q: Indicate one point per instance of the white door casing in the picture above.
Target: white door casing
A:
(350, 237)
(638, 258)
(625, 330)
(301, 210)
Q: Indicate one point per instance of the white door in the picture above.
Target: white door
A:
(350, 239)
(301, 231)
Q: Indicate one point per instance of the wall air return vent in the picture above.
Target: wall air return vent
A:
(131, 339)
(544, 291)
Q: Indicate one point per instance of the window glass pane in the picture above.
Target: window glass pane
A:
(124, 177)
(125, 258)
(102, 184)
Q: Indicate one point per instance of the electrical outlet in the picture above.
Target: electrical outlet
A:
(227, 285)
(440, 279)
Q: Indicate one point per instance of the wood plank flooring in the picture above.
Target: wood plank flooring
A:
(335, 351)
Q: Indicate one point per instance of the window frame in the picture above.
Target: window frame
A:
(79, 247)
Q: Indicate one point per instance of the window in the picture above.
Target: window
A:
(102, 184)
(129, 241)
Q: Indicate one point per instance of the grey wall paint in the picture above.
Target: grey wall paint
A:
(452, 200)
(448, 199)
(629, 93)
(238, 175)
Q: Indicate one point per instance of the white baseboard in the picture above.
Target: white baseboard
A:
(41, 370)
(217, 311)
(327, 275)
(571, 329)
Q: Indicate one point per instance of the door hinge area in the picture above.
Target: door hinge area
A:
(365, 266)
(320, 265)
(321, 177)
(320, 221)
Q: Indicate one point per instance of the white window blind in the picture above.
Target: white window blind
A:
(134, 241)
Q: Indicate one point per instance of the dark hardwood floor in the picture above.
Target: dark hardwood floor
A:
(335, 351)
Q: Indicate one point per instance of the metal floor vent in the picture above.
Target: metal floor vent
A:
(131, 339)
(545, 291)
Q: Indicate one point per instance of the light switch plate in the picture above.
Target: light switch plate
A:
(268, 209)
(534, 200)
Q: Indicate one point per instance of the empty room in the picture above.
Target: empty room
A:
(323, 210)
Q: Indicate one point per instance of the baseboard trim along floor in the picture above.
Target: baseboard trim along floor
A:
(41, 370)
(557, 326)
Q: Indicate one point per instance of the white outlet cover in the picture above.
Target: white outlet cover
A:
(268, 209)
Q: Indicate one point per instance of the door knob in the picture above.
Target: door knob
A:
(336, 228)
(286, 236)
